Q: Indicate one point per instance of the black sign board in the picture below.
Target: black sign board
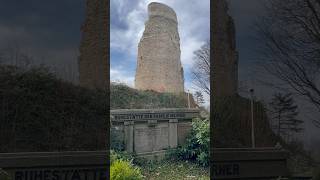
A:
(249, 163)
(84, 165)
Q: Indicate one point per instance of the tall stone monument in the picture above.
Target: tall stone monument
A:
(225, 80)
(158, 63)
(225, 55)
(94, 50)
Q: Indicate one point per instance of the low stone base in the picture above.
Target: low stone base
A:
(150, 131)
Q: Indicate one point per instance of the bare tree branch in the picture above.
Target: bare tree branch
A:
(290, 36)
(201, 69)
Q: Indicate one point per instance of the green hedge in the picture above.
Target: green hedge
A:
(39, 112)
(124, 97)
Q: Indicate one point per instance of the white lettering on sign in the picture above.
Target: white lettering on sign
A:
(226, 169)
(134, 116)
(61, 174)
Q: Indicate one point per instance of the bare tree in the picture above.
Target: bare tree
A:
(201, 68)
(284, 114)
(199, 97)
(289, 32)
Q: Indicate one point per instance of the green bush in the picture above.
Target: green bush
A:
(120, 155)
(122, 167)
(124, 170)
(196, 147)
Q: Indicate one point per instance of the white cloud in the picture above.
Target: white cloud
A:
(194, 30)
(119, 75)
(188, 46)
(194, 26)
(126, 40)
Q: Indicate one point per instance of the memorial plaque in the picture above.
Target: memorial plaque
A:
(162, 137)
(152, 131)
(143, 139)
(148, 139)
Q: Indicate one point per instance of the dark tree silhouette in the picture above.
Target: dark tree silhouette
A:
(289, 33)
(284, 115)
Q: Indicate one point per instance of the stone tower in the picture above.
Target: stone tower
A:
(94, 51)
(158, 63)
(225, 56)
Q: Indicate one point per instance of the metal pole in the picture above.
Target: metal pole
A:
(252, 121)
(189, 99)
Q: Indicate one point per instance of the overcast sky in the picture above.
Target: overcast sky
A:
(48, 31)
(127, 25)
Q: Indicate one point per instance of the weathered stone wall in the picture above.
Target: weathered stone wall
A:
(94, 51)
(225, 56)
(158, 63)
(184, 129)
(147, 131)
